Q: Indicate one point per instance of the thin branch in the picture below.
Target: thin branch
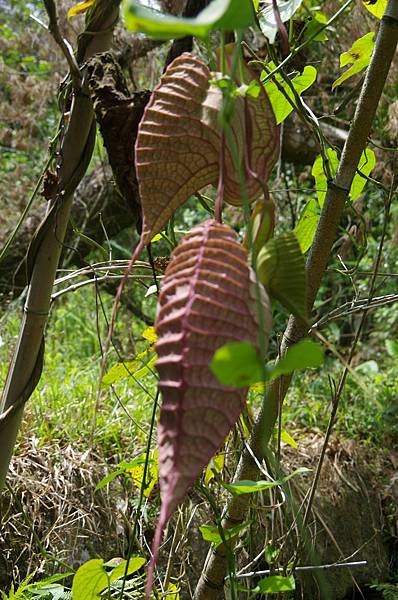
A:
(64, 45)
(347, 565)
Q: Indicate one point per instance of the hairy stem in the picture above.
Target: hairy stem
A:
(211, 582)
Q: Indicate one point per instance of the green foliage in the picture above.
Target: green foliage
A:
(281, 268)
(46, 589)
(309, 218)
(303, 355)
(281, 94)
(90, 580)
(307, 224)
(389, 591)
(220, 14)
(376, 7)
(237, 364)
(95, 576)
(275, 584)
(320, 170)
(314, 29)
(135, 470)
(142, 365)
(358, 56)
(212, 534)
(251, 487)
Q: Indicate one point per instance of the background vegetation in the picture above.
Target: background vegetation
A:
(74, 434)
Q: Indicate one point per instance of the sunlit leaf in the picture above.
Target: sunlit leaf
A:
(90, 580)
(80, 8)
(307, 224)
(315, 24)
(280, 104)
(287, 439)
(358, 56)
(274, 584)
(376, 7)
(151, 290)
(136, 472)
(366, 165)
(237, 364)
(135, 369)
(220, 15)
(134, 564)
(281, 268)
(172, 592)
(150, 334)
(319, 173)
(251, 487)
(147, 369)
(122, 468)
(266, 18)
(306, 354)
(216, 465)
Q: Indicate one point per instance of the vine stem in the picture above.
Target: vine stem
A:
(211, 583)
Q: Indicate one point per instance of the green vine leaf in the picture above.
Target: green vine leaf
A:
(306, 354)
(220, 14)
(281, 268)
(251, 487)
(211, 534)
(314, 26)
(280, 104)
(358, 56)
(376, 7)
(365, 167)
(306, 227)
(134, 564)
(307, 224)
(136, 369)
(319, 173)
(90, 580)
(237, 364)
(274, 584)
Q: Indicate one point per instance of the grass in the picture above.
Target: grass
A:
(66, 406)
